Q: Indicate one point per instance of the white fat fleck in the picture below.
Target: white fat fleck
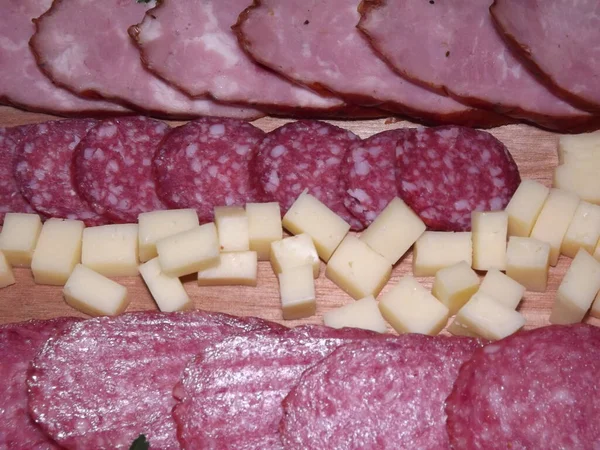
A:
(495, 171)
(222, 45)
(273, 180)
(496, 204)
(323, 131)
(146, 162)
(190, 150)
(335, 149)
(277, 151)
(359, 194)
(151, 30)
(28, 148)
(485, 155)
(217, 129)
(39, 174)
(112, 199)
(213, 171)
(112, 166)
(473, 170)
(306, 51)
(107, 131)
(408, 186)
(196, 165)
(242, 149)
(362, 167)
(462, 205)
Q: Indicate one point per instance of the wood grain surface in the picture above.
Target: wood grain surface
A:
(534, 151)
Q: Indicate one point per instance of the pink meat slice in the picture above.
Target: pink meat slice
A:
(19, 343)
(205, 163)
(460, 52)
(559, 39)
(44, 170)
(534, 389)
(113, 167)
(376, 394)
(107, 380)
(85, 47)
(230, 394)
(445, 173)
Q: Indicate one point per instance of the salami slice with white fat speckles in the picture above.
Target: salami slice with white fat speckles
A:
(205, 163)
(445, 173)
(113, 167)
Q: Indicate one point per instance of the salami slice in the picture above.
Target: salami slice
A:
(445, 173)
(534, 389)
(113, 167)
(376, 394)
(205, 163)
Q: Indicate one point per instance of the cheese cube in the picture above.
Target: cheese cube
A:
(410, 308)
(19, 237)
(579, 148)
(454, 285)
(582, 181)
(357, 269)
(189, 251)
(597, 251)
(6, 273)
(584, 230)
(234, 268)
(264, 227)
(525, 206)
(394, 231)
(502, 288)
(232, 228)
(326, 228)
(57, 252)
(435, 250)
(156, 225)
(577, 290)
(554, 220)
(94, 294)
(595, 310)
(293, 252)
(458, 329)
(363, 313)
(527, 261)
(489, 233)
(297, 290)
(111, 250)
(167, 292)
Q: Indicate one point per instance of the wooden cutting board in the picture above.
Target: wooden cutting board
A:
(534, 151)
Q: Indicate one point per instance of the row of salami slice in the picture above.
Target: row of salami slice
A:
(113, 170)
(208, 380)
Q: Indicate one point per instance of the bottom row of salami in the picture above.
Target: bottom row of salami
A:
(207, 380)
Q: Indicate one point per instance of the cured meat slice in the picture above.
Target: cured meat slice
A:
(316, 43)
(377, 394)
(19, 343)
(113, 167)
(461, 53)
(559, 39)
(205, 163)
(44, 170)
(534, 389)
(85, 47)
(445, 173)
(230, 394)
(105, 381)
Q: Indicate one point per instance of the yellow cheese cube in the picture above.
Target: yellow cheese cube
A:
(363, 313)
(582, 181)
(525, 206)
(579, 148)
(527, 261)
(57, 252)
(293, 252)
(232, 228)
(454, 285)
(264, 227)
(435, 250)
(489, 233)
(297, 290)
(156, 225)
(6, 273)
(357, 269)
(111, 250)
(234, 268)
(19, 237)
(458, 329)
(326, 228)
(94, 294)
(584, 230)
(502, 288)
(394, 231)
(410, 308)
(189, 251)
(167, 292)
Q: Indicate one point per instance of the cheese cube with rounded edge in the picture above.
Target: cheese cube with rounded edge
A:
(6, 273)
(294, 251)
(527, 261)
(264, 227)
(363, 313)
(489, 233)
(326, 228)
(167, 292)
(233, 268)
(435, 250)
(410, 308)
(524, 207)
(297, 291)
(580, 180)
(111, 250)
(189, 251)
(502, 288)
(584, 230)
(577, 290)
(581, 148)
(554, 220)
(458, 329)
(94, 294)
(232, 228)
(156, 225)
(394, 231)
(57, 252)
(357, 269)
(19, 237)
(454, 285)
